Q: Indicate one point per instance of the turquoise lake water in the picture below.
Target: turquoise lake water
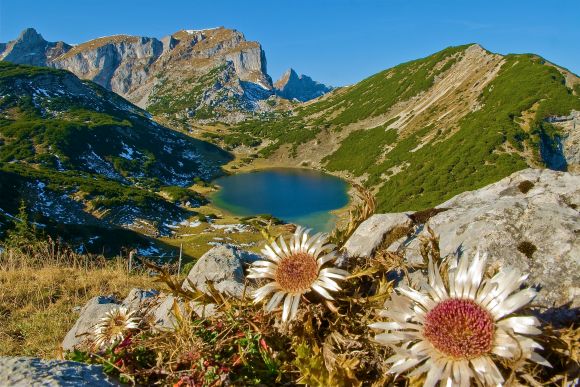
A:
(300, 196)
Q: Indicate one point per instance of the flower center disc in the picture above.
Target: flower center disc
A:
(297, 272)
(460, 329)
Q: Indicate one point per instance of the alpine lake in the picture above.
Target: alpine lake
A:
(302, 196)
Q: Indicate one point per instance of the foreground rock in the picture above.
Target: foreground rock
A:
(28, 371)
(90, 315)
(223, 266)
(529, 220)
(96, 308)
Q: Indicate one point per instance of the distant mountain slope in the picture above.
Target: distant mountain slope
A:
(426, 130)
(300, 87)
(82, 154)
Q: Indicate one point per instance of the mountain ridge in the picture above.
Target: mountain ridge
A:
(425, 130)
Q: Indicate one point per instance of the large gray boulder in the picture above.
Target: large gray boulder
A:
(529, 220)
(28, 371)
(89, 316)
(224, 267)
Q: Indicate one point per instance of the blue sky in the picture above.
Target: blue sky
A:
(338, 42)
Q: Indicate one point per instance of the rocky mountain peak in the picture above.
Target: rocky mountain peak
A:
(30, 35)
(32, 49)
(285, 78)
(300, 87)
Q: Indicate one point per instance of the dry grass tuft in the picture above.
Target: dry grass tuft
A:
(363, 209)
(39, 289)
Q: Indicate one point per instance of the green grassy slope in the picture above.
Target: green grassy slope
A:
(473, 156)
(89, 152)
(377, 94)
(49, 117)
(370, 97)
(489, 144)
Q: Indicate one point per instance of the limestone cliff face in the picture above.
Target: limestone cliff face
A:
(119, 63)
(300, 87)
(135, 67)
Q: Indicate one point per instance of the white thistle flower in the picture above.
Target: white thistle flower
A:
(295, 269)
(114, 325)
(453, 334)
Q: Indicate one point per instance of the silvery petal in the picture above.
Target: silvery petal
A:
(284, 247)
(326, 258)
(294, 308)
(514, 303)
(322, 291)
(418, 297)
(521, 324)
(267, 251)
(275, 300)
(327, 283)
(262, 292)
(287, 306)
(434, 374)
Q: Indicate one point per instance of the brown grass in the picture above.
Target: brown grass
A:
(38, 292)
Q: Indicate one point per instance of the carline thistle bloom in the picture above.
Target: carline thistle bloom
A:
(295, 269)
(452, 334)
(114, 326)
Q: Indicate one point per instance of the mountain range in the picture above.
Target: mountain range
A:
(102, 133)
(207, 74)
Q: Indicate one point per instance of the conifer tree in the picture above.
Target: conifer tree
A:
(24, 233)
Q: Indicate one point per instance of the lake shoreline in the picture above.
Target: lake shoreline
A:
(294, 195)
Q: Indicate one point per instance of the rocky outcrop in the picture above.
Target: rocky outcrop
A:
(29, 371)
(118, 63)
(371, 233)
(563, 152)
(529, 220)
(90, 315)
(300, 87)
